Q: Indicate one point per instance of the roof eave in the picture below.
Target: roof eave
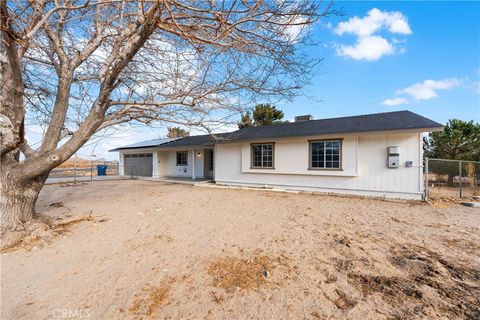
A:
(186, 146)
(133, 148)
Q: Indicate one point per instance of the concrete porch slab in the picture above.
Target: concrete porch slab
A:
(179, 180)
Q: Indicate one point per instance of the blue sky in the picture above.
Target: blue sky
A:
(443, 45)
(378, 57)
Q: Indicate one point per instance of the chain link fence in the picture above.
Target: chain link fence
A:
(446, 178)
(83, 170)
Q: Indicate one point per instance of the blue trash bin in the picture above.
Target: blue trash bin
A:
(101, 170)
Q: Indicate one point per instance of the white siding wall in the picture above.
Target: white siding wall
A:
(155, 172)
(364, 171)
(167, 165)
(121, 169)
(179, 171)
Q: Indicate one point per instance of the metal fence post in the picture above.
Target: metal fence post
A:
(460, 171)
(426, 179)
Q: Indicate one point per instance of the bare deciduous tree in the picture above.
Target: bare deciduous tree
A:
(77, 67)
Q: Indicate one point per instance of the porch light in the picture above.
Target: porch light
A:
(199, 154)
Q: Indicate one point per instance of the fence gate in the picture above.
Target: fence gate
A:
(446, 178)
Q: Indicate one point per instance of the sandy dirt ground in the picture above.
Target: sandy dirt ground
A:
(168, 251)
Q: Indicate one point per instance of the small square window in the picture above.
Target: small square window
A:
(182, 158)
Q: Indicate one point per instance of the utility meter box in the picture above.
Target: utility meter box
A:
(393, 155)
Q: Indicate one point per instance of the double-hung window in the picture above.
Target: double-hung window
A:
(182, 158)
(262, 155)
(325, 154)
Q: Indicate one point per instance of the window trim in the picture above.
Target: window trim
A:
(176, 159)
(340, 158)
(273, 155)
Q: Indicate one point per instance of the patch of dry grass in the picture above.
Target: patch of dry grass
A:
(343, 302)
(457, 284)
(216, 297)
(151, 298)
(462, 244)
(232, 273)
(442, 202)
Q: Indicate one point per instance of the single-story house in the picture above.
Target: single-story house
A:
(373, 155)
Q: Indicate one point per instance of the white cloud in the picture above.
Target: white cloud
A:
(294, 32)
(368, 45)
(375, 20)
(425, 90)
(428, 89)
(369, 48)
(293, 27)
(395, 101)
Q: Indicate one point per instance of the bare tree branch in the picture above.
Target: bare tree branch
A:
(80, 67)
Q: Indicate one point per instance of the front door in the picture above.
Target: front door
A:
(208, 168)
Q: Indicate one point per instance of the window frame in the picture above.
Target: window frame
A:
(186, 159)
(340, 158)
(252, 158)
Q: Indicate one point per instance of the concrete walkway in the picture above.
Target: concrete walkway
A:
(178, 180)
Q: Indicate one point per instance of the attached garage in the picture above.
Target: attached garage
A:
(138, 164)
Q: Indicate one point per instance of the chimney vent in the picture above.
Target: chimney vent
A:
(306, 117)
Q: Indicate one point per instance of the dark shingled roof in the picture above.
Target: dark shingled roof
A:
(200, 141)
(388, 121)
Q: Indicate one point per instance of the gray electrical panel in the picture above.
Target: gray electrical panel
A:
(393, 157)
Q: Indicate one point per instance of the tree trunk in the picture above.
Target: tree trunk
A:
(17, 200)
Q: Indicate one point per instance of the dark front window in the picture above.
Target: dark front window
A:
(325, 154)
(262, 155)
(182, 158)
